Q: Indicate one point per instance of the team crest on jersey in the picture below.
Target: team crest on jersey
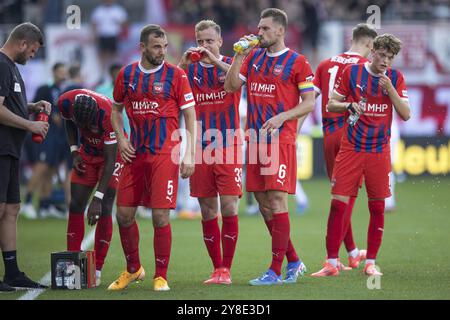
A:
(158, 87)
(278, 69)
(222, 77)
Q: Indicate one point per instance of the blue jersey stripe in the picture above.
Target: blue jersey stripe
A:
(353, 78)
(358, 136)
(341, 122)
(191, 74)
(350, 130)
(380, 138)
(232, 115)
(269, 65)
(168, 82)
(145, 82)
(364, 82)
(259, 118)
(203, 137)
(288, 67)
(126, 77)
(213, 127)
(162, 132)
(250, 114)
(199, 75)
(375, 85)
(133, 135)
(370, 137)
(101, 116)
(253, 59)
(394, 78)
(135, 81)
(138, 137)
(152, 140)
(210, 72)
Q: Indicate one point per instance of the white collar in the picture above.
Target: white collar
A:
(206, 65)
(350, 53)
(150, 70)
(277, 54)
(366, 65)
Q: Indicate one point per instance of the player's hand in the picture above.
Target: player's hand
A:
(386, 83)
(355, 108)
(187, 168)
(186, 58)
(41, 105)
(39, 127)
(94, 211)
(273, 123)
(78, 164)
(207, 57)
(127, 151)
(249, 38)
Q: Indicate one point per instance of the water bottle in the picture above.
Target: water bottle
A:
(244, 44)
(42, 116)
(353, 118)
(195, 56)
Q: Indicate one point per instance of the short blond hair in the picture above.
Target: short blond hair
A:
(206, 24)
(389, 42)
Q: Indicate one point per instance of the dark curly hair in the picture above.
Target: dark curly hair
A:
(84, 110)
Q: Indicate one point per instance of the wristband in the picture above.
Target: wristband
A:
(351, 108)
(73, 148)
(99, 195)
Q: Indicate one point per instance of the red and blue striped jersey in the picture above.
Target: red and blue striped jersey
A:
(328, 72)
(372, 132)
(153, 100)
(92, 139)
(274, 84)
(216, 109)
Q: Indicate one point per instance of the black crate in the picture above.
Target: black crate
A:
(69, 270)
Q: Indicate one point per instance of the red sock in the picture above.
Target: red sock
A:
(103, 235)
(291, 254)
(129, 236)
(335, 228)
(75, 231)
(376, 225)
(162, 241)
(230, 232)
(211, 237)
(348, 233)
(280, 240)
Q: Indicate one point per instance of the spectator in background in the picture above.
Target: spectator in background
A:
(75, 80)
(109, 21)
(107, 89)
(50, 153)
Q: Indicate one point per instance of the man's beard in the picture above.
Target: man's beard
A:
(266, 44)
(153, 61)
(21, 58)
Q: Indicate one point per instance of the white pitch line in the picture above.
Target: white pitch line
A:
(46, 280)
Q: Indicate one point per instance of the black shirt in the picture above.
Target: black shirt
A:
(13, 89)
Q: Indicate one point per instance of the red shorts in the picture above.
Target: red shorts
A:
(351, 166)
(150, 181)
(94, 171)
(331, 145)
(218, 176)
(271, 167)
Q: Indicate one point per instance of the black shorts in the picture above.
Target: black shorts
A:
(9, 180)
(107, 44)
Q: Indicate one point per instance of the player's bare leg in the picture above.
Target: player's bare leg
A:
(162, 242)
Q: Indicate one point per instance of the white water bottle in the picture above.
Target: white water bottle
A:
(353, 118)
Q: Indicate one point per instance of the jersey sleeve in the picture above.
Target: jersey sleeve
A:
(342, 86)
(243, 72)
(317, 82)
(119, 89)
(109, 136)
(184, 95)
(401, 86)
(304, 77)
(5, 80)
(65, 105)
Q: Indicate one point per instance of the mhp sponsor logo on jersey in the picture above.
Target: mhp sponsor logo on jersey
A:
(377, 108)
(262, 87)
(213, 96)
(94, 141)
(144, 105)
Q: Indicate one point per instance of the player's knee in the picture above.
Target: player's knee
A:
(11, 211)
(2, 209)
(124, 221)
(229, 208)
(277, 203)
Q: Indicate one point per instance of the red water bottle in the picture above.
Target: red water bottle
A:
(196, 56)
(41, 116)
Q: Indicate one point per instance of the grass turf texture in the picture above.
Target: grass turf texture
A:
(413, 257)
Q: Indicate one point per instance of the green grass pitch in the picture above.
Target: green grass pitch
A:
(414, 255)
